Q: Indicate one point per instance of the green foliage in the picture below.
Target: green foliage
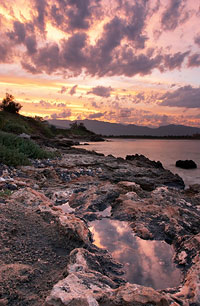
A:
(12, 157)
(9, 105)
(16, 151)
(5, 193)
(79, 129)
(14, 127)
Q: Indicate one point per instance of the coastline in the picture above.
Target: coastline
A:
(151, 199)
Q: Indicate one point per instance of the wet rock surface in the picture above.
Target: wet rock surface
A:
(47, 254)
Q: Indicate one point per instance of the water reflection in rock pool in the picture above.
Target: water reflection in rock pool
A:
(146, 262)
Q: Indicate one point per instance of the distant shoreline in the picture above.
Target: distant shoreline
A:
(194, 137)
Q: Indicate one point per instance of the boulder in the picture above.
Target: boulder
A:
(186, 164)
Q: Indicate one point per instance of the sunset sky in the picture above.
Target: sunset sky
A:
(125, 61)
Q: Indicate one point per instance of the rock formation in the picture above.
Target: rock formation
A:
(47, 252)
(186, 164)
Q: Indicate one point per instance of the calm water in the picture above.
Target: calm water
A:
(147, 263)
(166, 151)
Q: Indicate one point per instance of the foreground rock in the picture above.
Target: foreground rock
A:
(186, 164)
(47, 252)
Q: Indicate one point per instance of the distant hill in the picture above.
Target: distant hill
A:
(116, 129)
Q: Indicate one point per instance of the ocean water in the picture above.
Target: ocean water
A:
(166, 151)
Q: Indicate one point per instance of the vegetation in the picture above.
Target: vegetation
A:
(17, 124)
(9, 105)
(79, 129)
(16, 151)
(5, 193)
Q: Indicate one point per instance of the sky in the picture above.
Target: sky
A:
(123, 61)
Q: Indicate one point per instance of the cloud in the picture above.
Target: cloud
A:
(172, 61)
(124, 112)
(186, 96)
(96, 115)
(70, 15)
(117, 48)
(31, 44)
(194, 60)
(41, 8)
(5, 52)
(197, 39)
(30, 68)
(174, 15)
(101, 91)
(44, 104)
(19, 32)
(62, 90)
(64, 114)
(73, 90)
(47, 58)
(60, 105)
(72, 52)
(140, 97)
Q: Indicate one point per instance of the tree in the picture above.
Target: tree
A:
(9, 105)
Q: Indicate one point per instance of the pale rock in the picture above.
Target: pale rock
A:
(182, 258)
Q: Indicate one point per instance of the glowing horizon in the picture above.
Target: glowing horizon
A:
(126, 61)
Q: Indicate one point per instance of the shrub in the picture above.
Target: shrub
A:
(9, 105)
(16, 128)
(12, 157)
(15, 151)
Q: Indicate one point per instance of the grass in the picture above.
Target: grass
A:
(16, 151)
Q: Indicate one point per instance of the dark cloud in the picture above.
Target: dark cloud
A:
(64, 114)
(136, 15)
(72, 52)
(41, 8)
(31, 45)
(174, 15)
(30, 68)
(70, 15)
(60, 105)
(130, 64)
(19, 32)
(73, 90)
(96, 115)
(44, 104)
(78, 14)
(197, 39)
(47, 58)
(116, 51)
(62, 90)
(186, 96)
(56, 15)
(96, 105)
(194, 60)
(172, 61)
(140, 97)
(101, 91)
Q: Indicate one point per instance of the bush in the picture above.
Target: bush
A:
(16, 128)
(9, 105)
(12, 157)
(15, 151)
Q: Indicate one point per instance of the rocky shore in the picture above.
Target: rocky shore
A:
(47, 253)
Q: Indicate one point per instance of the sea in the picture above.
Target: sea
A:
(165, 151)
